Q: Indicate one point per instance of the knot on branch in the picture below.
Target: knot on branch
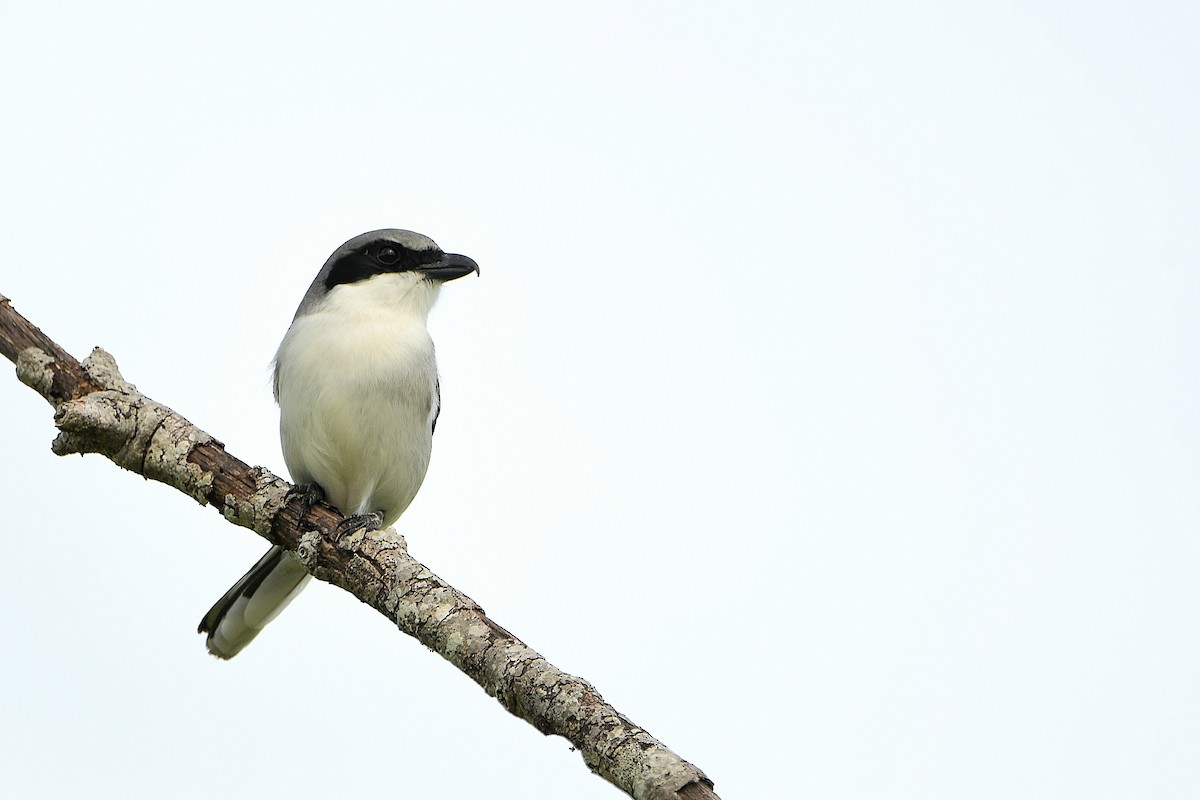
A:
(131, 429)
(101, 367)
(35, 370)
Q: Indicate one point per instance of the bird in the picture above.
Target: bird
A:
(357, 385)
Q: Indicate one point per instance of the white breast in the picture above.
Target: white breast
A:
(356, 385)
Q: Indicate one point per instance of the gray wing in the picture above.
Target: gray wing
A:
(437, 403)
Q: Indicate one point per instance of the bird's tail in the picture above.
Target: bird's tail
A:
(252, 602)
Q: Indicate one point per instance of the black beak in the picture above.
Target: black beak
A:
(450, 266)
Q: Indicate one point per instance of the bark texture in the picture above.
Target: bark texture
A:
(97, 411)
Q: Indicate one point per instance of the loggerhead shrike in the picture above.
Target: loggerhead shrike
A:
(357, 387)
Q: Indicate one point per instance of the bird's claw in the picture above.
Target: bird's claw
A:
(364, 522)
(310, 494)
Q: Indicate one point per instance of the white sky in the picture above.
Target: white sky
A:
(828, 398)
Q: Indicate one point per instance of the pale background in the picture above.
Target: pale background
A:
(828, 398)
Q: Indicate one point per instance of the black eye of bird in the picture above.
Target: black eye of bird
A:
(387, 256)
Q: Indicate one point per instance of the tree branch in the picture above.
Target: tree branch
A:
(97, 411)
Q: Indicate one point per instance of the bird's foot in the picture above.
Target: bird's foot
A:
(358, 522)
(310, 494)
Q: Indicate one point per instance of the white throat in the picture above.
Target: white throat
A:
(402, 294)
